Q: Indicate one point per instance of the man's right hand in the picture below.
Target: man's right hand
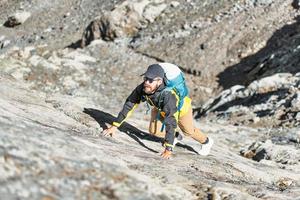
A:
(110, 131)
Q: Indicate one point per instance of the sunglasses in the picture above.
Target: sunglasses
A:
(150, 80)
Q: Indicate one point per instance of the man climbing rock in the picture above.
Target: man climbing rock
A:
(165, 90)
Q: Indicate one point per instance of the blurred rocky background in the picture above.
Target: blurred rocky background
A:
(66, 67)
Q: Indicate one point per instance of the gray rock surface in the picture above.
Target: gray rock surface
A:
(270, 101)
(51, 149)
(201, 37)
(263, 2)
(17, 19)
(241, 63)
(125, 20)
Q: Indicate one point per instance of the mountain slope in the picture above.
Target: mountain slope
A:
(51, 146)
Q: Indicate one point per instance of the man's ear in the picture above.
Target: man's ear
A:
(160, 81)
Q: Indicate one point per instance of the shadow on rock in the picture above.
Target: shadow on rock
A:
(75, 45)
(187, 147)
(103, 117)
(280, 55)
(256, 99)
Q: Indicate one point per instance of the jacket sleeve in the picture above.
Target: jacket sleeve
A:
(130, 104)
(171, 116)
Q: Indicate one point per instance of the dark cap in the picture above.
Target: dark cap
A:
(154, 71)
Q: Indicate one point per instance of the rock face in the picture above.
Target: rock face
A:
(263, 2)
(51, 147)
(125, 20)
(241, 63)
(17, 19)
(3, 42)
(201, 37)
(35, 160)
(270, 101)
(269, 151)
(78, 73)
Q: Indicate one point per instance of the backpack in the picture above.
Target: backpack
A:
(174, 80)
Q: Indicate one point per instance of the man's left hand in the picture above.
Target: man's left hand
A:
(166, 154)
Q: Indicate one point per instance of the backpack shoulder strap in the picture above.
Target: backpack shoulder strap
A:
(167, 89)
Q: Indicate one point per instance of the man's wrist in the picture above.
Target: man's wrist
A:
(169, 148)
(116, 124)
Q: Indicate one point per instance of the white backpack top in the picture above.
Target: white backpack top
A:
(171, 70)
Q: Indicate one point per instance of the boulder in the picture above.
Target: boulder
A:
(125, 20)
(295, 104)
(4, 42)
(274, 98)
(17, 19)
(267, 150)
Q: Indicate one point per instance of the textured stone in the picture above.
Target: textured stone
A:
(17, 19)
(296, 102)
(51, 149)
(263, 98)
(125, 20)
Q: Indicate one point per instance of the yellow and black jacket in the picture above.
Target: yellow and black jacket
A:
(165, 100)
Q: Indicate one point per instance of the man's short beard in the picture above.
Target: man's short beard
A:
(152, 91)
(147, 92)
